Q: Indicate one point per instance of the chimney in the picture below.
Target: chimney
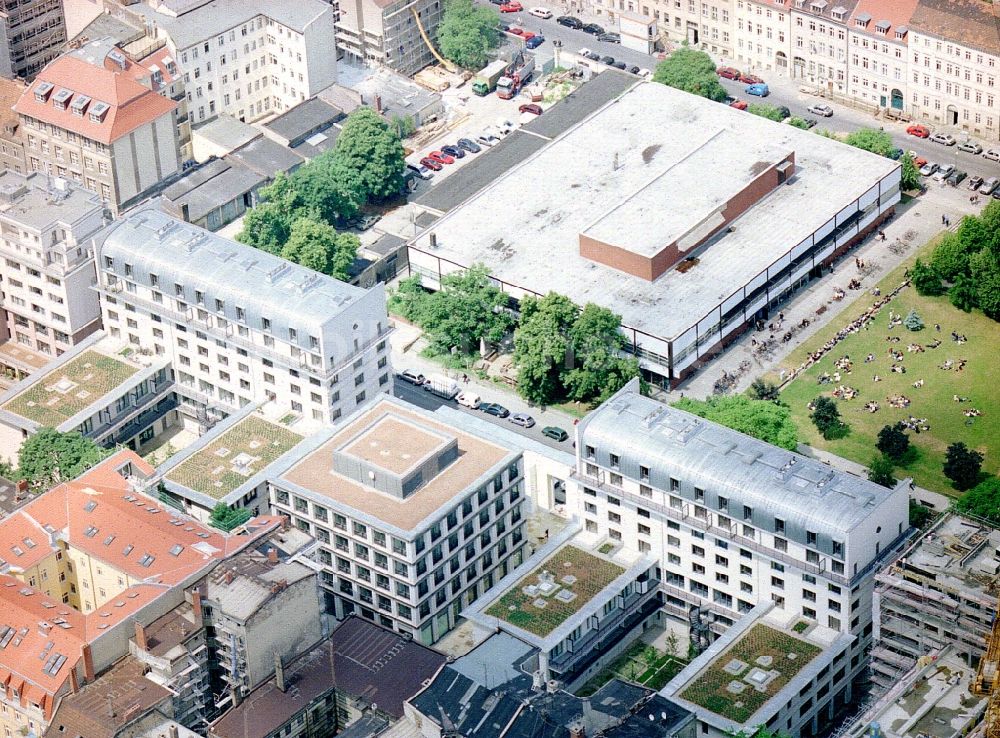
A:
(279, 672)
(74, 681)
(433, 239)
(22, 486)
(378, 104)
(140, 636)
(576, 730)
(272, 555)
(196, 606)
(229, 577)
(172, 731)
(236, 695)
(88, 663)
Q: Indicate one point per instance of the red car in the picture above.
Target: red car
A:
(441, 158)
(514, 7)
(515, 31)
(527, 35)
(530, 108)
(919, 161)
(432, 164)
(919, 131)
(728, 72)
(751, 79)
(738, 104)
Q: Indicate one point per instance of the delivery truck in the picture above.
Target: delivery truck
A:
(486, 81)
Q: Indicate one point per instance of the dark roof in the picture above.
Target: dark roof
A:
(8, 497)
(297, 124)
(470, 708)
(210, 186)
(497, 161)
(386, 244)
(359, 658)
(171, 630)
(100, 709)
(617, 698)
(368, 725)
(666, 719)
(266, 157)
(972, 23)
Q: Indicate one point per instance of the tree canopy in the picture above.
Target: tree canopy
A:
(983, 501)
(871, 139)
(910, 175)
(467, 33)
(766, 111)
(692, 71)
(880, 471)
(769, 421)
(893, 442)
(226, 518)
(969, 263)
(368, 147)
(826, 417)
(49, 457)
(319, 247)
(962, 465)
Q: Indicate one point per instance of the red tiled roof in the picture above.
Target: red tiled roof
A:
(132, 104)
(897, 12)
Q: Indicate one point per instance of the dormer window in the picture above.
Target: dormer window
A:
(43, 90)
(838, 13)
(901, 32)
(862, 19)
(818, 6)
(883, 26)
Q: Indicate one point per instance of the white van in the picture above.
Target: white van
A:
(469, 399)
(540, 12)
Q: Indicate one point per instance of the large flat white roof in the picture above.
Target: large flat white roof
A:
(525, 226)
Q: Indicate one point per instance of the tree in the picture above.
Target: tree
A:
(467, 33)
(319, 247)
(920, 514)
(597, 368)
(764, 390)
(368, 147)
(909, 178)
(408, 298)
(925, 280)
(983, 501)
(49, 457)
(330, 187)
(871, 139)
(985, 268)
(541, 346)
(765, 111)
(826, 417)
(226, 518)
(913, 321)
(963, 293)
(880, 471)
(763, 419)
(893, 442)
(403, 125)
(962, 466)
(692, 71)
(268, 225)
(467, 308)
(951, 255)
(798, 123)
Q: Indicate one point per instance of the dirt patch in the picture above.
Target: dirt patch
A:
(649, 152)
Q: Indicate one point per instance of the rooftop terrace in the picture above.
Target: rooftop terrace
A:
(559, 587)
(58, 395)
(750, 672)
(235, 456)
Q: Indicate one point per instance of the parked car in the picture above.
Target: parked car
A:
(970, 147)
(455, 152)
(919, 131)
(750, 79)
(534, 42)
(738, 104)
(820, 109)
(928, 169)
(810, 123)
(533, 108)
(974, 182)
(634, 70)
(989, 186)
(784, 112)
(610, 38)
(495, 409)
(522, 419)
(511, 7)
(584, 51)
(955, 178)
(488, 138)
(498, 2)
(759, 90)
(541, 12)
(469, 145)
(992, 154)
(433, 164)
(515, 31)
(918, 161)
(569, 21)
(469, 399)
(504, 126)
(363, 222)
(503, 27)
(943, 172)
(422, 171)
(416, 378)
(645, 73)
(555, 433)
(593, 56)
(728, 72)
(895, 154)
(946, 139)
(620, 65)
(609, 60)
(593, 29)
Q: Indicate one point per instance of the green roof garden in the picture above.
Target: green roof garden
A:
(561, 586)
(68, 389)
(750, 672)
(234, 457)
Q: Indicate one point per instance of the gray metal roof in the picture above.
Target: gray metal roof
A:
(226, 132)
(672, 443)
(294, 125)
(264, 285)
(267, 157)
(210, 187)
(209, 19)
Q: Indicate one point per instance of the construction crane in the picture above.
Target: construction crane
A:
(987, 681)
(423, 34)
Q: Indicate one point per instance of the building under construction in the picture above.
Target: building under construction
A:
(942, 591)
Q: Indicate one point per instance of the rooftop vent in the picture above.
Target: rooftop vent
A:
(43, 90)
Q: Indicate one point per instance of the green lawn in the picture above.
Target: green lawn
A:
(641, 664)
(933, 401)
(592, 574)
(710, 689)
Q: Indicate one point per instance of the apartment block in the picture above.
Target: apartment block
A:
(240, 325)
(115, 396)
(763, 30)
(702, 24)
(389, 33)
(938, 594)
(81, 565)
(819, 42)
(86, 118)
(11, 145)
(48, 265)
(248, 58)
(879, 35)
(415, 517)
(954, 66)
(32, 33)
